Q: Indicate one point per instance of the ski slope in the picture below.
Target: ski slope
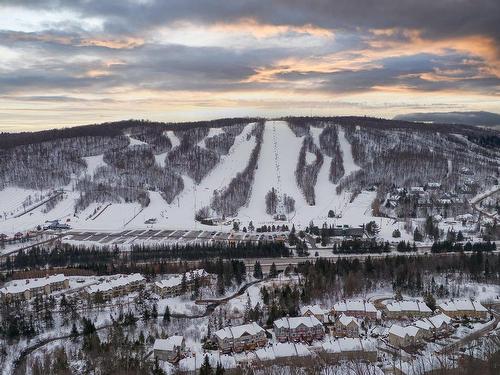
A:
(180, 213)
(276, 168)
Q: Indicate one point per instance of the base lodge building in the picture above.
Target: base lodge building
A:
(120, 286)
(29, 288)
(300, 328)
(240, 338)
(460, 308)
(407, 309)
(357, 308)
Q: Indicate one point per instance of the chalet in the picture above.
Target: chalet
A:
(346, 326)
(441, 324)
(18, 236)
(353, 349)
(240, 338)
(315, 311)
(3, 237)
(179, 284)
(357, 308)
(402, 337)
(298, 329)
(460, 308)
(406, 309)
(115, 287)
(169, 349)
(29, 288)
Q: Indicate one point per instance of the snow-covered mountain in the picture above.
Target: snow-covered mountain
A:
(137, 174)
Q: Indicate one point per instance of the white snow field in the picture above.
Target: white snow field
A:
(94, 162)
(276, 168)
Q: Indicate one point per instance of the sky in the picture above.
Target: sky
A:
(75, 62)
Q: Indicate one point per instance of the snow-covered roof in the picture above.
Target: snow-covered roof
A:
(20, 286)
(238, 331)
(118, 282)
(313, 309)
(462, 305)
(423, 324)
(401, 331)
(354, 305)
(308, 321)
(168, 344)
(398, 330)
(349, 344)
(438, 320)
(407, 305)
(346, 320)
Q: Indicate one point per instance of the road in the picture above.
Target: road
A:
(475, 204)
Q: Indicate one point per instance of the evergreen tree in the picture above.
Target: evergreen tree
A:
(166, 315)
(257, 270)
(273, 271)
(74, 332)
(206, 368)
(417, 236)
(219, 370)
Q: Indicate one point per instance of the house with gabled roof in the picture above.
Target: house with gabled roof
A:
(406, 309)
(402, 337)
(29, 288)
(346, 326)
(240, 338)
(170, 349)
(357, 308)
(460, 308)
(314, 310)
(302, 328)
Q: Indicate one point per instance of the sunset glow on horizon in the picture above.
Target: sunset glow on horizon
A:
(67, 63)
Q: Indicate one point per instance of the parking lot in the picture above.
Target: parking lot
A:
(152, 237)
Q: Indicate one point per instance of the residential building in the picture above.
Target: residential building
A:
(179, 284)
(402, 337)
(169, 349)
(348, 348)
(239, 338)
(406, 309)
(460, 308)
(29, 288)
(346, 326)
(314, 310)
(441, 324)
(302, 328)
(118, 286)
(357, 308)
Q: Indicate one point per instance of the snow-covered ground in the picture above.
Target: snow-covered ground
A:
(276, 168)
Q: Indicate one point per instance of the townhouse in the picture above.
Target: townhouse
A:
(28, 288)
(240, 338)
(115, 287)
(406, 309)
(302, 328)
(170, 349)
(354, 349)
(179, 284)
(314, 310)
(403, 337)
(358, 308)
(460, 308)
(346, 326)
